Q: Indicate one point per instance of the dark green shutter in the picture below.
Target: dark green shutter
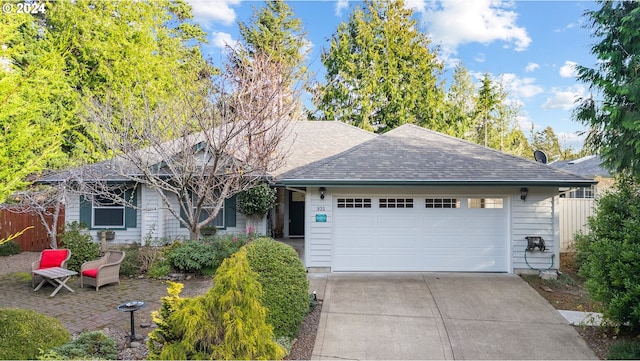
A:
(182, 214)
(85, 211)
(230, 212)
(131, 214)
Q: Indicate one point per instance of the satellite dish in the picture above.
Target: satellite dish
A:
(540, 157)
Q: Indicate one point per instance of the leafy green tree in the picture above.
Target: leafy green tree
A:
(123, 49)
(33, 94)
(610, 254)
(380, 71)
(613, 113)
(53, 65)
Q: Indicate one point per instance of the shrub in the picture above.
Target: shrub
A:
(228, 322)
(192, 256)
(609, 255)
(256, 201)
(284, 282)
(93, 345)
(78, 240)
(9, 249)
(23, 332)
(624, 350)
(131, 263)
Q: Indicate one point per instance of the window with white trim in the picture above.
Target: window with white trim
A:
(354, 202)
(442, 203)
(486, 203)
(106, 213)
(395, 203)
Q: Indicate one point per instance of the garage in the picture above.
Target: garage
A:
(441, 233)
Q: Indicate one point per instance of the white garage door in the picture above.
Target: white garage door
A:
(420, 234)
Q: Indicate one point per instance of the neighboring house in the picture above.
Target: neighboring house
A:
(589, 167)
(577, 204)
(408, 200)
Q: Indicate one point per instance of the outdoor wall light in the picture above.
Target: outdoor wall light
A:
(322, 190)
(523, 193)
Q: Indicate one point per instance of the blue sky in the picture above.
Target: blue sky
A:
(529, 46)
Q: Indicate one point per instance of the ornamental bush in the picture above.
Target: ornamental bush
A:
(78, 240)
(284, 282)
(609, 256)
(93, 345)
(256, 201)
(9, 249)
(228, 322)
(24, 332)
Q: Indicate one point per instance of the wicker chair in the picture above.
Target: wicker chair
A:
(103, 271)
(49, 258)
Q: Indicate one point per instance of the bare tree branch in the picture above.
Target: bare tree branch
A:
(203, 148)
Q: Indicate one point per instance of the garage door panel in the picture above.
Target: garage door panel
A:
(420, 239)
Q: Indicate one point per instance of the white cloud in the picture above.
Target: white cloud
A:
(222, 40)
(531, 67)
(568, 70)
(480, 57)
(520, 87)
(564, 98)
(455, 22)
(573, 140)
(416, 5)
(340, 5)
(206, 11)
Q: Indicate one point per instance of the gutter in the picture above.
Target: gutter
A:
(407, 182)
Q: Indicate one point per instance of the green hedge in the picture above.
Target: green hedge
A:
(284, 283)
(23, 333)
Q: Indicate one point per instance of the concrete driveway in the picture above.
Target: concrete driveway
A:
(439, 316)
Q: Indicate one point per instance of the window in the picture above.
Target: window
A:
(226, 217)
(354, 202)
(442, 203)
(217, 222)
(107, 214)
(485, 203)
(102, 212)
(395, 203)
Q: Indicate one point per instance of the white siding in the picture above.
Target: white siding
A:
(130, 235)
(536, 216)
(318, 235)
(154, 220)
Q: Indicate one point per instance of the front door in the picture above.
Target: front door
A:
(296, 214)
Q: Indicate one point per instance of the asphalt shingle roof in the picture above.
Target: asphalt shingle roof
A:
(589, 166)
(414, 155)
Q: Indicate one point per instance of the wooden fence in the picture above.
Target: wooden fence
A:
(573, 218)
(34, 239)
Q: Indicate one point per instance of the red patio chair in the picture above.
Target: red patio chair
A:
(49, 258)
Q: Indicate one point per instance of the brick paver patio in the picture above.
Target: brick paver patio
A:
(88, 310)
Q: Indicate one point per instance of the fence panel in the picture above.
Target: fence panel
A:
(34, 239)
(573, 218)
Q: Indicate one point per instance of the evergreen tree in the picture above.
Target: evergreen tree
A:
(380, 71)
(613, 113)
(275, 33)
(547, 141)
(460, 104)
